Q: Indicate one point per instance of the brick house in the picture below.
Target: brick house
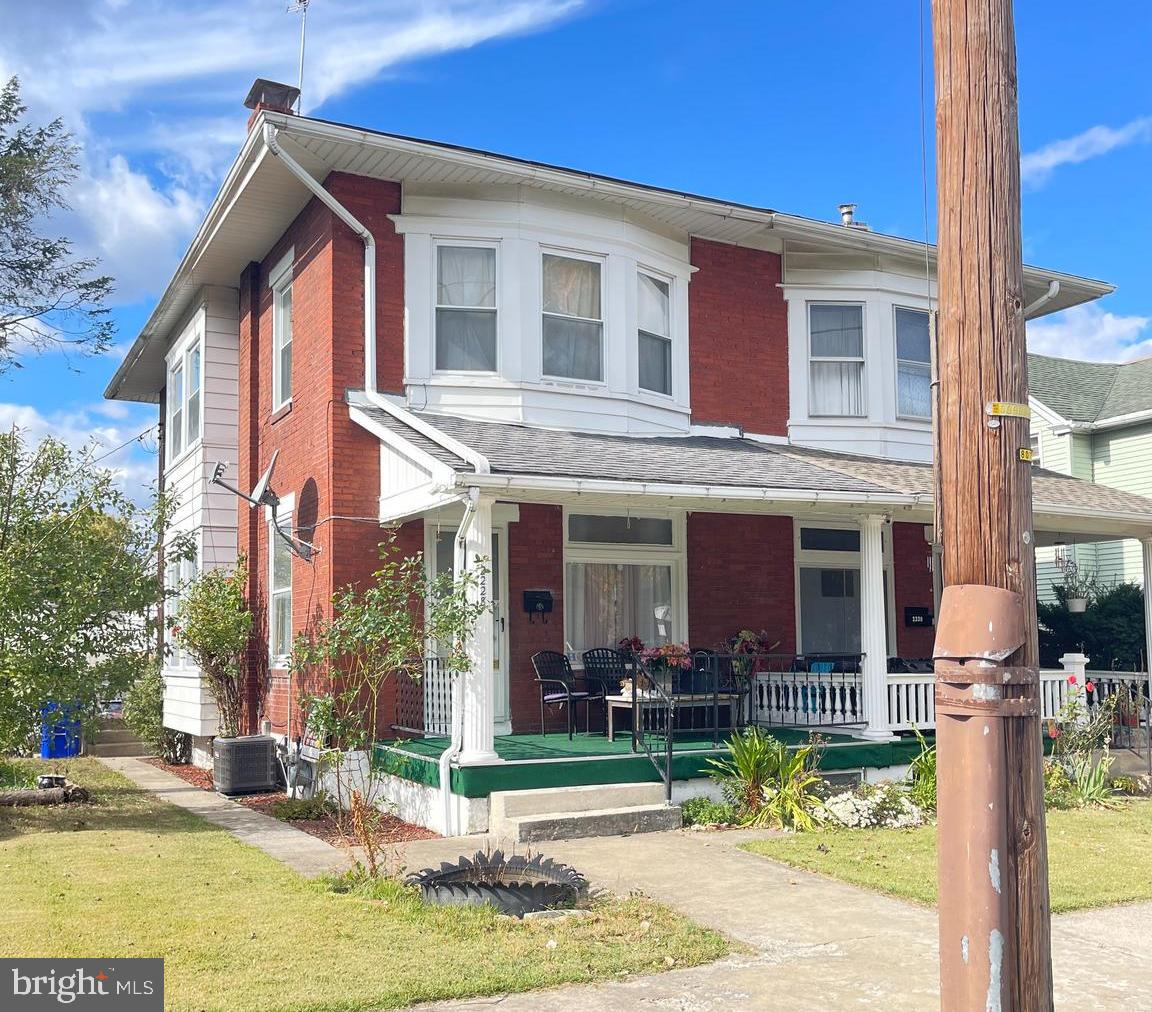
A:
(679, 417)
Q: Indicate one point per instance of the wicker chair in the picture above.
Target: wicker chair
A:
(558, 687)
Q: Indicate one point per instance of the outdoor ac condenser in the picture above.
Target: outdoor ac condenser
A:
(244, 765)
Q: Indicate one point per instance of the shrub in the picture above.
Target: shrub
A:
(1058, 789)
(922, 775)
(1111, 631)
(706, 812)
(873, 806)
(144, 715)
(1127, 784)
(301, 809)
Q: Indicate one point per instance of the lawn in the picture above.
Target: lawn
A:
(132, 876)
(1096, 858)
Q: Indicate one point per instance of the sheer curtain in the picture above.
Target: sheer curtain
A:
(573, 331)
(606, 602)
(466, 308)
(655, 346)
(836, 344)
(913, 363)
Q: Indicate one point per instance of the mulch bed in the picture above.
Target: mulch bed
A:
(392, 829)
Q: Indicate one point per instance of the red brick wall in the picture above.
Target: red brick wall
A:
(740, 576)
(913, 587)
(329, 463)
(535, 562)
(738, 325)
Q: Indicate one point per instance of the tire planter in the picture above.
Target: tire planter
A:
(514, 885)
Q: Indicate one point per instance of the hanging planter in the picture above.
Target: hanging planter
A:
(1076, 605)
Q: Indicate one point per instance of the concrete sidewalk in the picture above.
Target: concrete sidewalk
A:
(816, 944)
(300, 851)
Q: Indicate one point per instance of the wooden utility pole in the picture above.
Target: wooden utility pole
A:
(993, 865)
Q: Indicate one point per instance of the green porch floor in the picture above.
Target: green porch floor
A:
(531, 761)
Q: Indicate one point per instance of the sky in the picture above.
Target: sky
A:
(795, 106)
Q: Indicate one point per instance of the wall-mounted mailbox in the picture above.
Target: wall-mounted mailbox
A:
(914, 617)
(538, 602)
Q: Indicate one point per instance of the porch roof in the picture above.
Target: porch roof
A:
(522, 458)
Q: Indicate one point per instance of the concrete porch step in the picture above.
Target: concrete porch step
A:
(115, 735)
(564, 813)
(108, 749)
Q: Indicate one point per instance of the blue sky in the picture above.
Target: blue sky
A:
(792, 106)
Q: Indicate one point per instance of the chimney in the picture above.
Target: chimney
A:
(848, 217)
(270, 95)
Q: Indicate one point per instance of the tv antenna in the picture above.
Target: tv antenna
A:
(300, 7)
(262, 495)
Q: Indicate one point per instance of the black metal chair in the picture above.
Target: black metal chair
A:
(604, 669)
(558, 687)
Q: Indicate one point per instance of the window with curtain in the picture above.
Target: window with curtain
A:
(466, 308)
(836, 358)
(175, 394)
(280, 593)
(573, 324)
(282, 346)
(607, 601)
(655, 334)
(913, 364)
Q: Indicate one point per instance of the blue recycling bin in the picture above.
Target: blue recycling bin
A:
(59, 731)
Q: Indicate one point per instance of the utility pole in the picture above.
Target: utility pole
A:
(993, 862)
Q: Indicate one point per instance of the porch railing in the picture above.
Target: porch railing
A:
(424, 704)
(808, 690)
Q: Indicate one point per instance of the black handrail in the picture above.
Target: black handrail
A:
(639, 726)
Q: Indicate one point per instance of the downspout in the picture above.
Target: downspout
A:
(1048, 296)
(341, 212)
(456, 743)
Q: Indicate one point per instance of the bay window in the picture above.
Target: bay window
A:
(185, 376)
(573, 323)
(836, 358)
(622, 578)
(466, 308)
(175, 392)
(654, 334)
(913, 364)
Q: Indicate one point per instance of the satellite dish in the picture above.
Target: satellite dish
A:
(261, 488)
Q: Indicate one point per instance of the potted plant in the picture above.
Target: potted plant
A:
(213, 625)
(663, 662)
(1077, 588)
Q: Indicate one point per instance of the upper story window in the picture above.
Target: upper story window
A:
(183, 393)
(913, 364)
(573, 326)
(466, 308)
(836, 356)
(282, 344)
(1034, 443)
(654, 333)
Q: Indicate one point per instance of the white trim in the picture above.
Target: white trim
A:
(453, 242)
(284, 518)
(1046, 413)
(601, 262)
(281, 290)
(897, 360)
(283, 266)
(177, 359)
(438, 436)
(862, 359)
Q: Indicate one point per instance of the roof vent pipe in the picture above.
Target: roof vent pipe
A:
(846, 213)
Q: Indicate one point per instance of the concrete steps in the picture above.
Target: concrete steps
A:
(565, 813)
(114, 739)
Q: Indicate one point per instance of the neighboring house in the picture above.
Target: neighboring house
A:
(1093, 420)
(674, 416)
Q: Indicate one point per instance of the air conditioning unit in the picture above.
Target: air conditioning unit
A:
(244, 765)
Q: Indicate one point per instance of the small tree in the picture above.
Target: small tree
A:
(213, 624)
(376, 632)
(144, 714)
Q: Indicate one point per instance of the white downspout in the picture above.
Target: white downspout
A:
(1048, 296)
(341, 212)
(456, 743)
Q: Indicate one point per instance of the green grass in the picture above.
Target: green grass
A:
(1095, 857)
(16, 775)
(132, 876)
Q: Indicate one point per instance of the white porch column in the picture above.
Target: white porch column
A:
(478, 694)
(1146, 549)
(873, 637)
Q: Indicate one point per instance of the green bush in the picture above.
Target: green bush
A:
(300, 809)
(922, 775)
(15, 776)
(1110, 632)
(144, 716)
(706, 812)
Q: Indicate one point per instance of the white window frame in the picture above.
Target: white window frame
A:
(807, 558)
(904, 415)
(674, 556)
(280, 280)
(1036, 445)
(669, 338)
(177, 422)
(862, 359)
(284, 517)
(177, 576)
(438, 242)
(596, 258)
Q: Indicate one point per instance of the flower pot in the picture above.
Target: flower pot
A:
(1077, 604)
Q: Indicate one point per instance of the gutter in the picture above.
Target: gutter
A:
(1048, 296)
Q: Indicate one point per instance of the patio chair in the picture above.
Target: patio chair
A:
(558, 687)
(604, 668)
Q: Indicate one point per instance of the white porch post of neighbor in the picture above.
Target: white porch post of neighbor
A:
(1146, 548)
(478, 696)
(873, 635)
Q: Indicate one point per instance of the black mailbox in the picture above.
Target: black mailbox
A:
(537, 602)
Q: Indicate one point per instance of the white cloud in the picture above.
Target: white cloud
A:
(153, 90)
(1091, 334)
(1037, 166)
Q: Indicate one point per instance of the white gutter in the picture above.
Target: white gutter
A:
(456, 742)
(1048, 296)
(366, 237)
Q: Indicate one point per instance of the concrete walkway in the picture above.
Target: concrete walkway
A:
(300, 851)
(816, 944)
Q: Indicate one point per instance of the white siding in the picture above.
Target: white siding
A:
(204, 510)
(1122, 458)
(1055, 455)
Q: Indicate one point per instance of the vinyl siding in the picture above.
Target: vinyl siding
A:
(1055, 455)
(1122, 458)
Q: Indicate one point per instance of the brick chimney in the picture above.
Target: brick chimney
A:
(270, 95)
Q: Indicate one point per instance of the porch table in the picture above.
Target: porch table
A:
(622, 702)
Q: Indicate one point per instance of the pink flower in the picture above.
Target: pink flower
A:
(1053, 732)
(1071, 679)
(1090, 686)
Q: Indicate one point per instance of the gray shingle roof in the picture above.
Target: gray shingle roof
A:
(1090, 391)
(709, 460)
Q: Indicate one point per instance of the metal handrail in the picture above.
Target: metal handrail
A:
(638, 728)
